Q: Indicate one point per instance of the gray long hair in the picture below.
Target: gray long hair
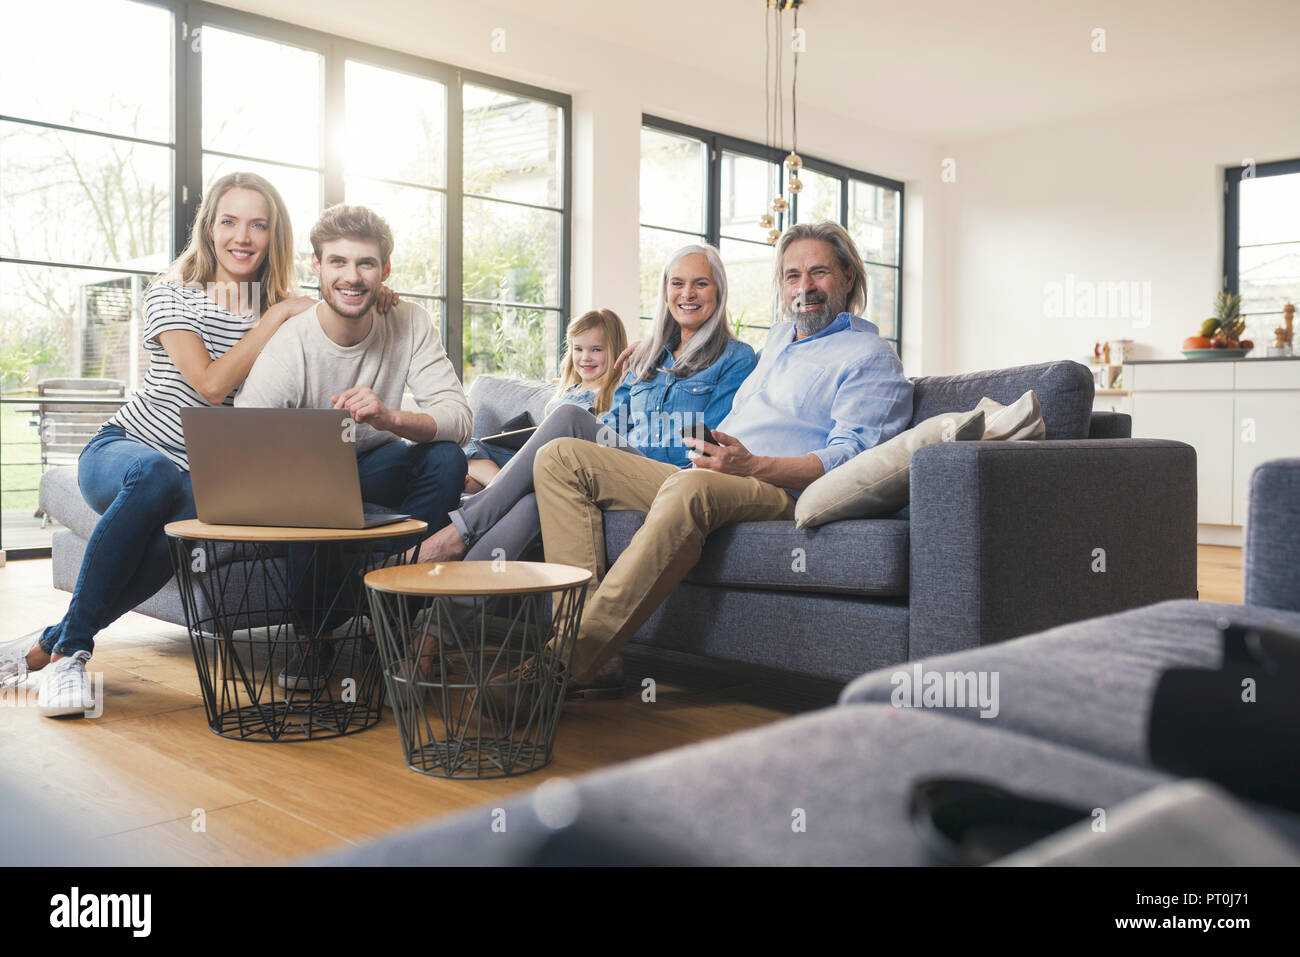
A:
(846, 254)
(706, 346)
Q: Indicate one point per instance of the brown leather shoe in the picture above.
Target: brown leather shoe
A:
(607, 683)
(512, 697)
(514, 694)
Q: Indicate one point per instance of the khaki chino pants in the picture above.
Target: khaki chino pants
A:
(576, 481)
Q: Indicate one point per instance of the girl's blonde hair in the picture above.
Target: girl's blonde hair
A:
(197, 265)
(615, 342)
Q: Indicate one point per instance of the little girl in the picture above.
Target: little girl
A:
(587, 374)
(587, 379)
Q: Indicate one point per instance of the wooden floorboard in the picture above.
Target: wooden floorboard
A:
(1219, 573)
(250, 832)
(137, 778)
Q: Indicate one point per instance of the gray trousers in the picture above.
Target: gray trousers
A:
(504, 515)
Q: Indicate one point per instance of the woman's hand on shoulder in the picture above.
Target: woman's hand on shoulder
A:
(386, 299)
(287, 308)
(625, 356)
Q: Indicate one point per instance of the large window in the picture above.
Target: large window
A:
(514, 223)
(1261, 259)
(402, 172)
(106, 149)
(698, 186)
(87, 156)
(256, 133)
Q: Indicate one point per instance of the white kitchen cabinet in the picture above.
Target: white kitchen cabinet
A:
(1180, 377)
(1203, 420)
(1267, 427)
(1236, 414)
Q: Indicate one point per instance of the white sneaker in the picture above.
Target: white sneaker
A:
(13, 658)
(65, 687)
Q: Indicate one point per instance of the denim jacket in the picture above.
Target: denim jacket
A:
(651, 414)
(574, 394)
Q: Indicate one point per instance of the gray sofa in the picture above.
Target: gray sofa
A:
(1072, 728)
(1000, 539)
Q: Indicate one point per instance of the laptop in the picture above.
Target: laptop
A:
(286, 467)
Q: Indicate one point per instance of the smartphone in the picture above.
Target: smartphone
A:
(698, 430)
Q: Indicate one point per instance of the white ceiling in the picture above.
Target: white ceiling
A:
(950, 70)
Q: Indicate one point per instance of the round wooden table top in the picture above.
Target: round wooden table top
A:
(476, 578)
(193, 528)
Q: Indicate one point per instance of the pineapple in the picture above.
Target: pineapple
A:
(1226, 325)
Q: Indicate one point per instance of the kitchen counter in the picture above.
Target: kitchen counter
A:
(1184, 360)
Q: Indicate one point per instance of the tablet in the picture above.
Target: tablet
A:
(510, 440)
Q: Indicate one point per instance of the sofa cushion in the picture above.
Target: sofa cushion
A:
(1111, 425)
(1089, 684)
(784, 630)
(237, 587)
(1183, 824)
(61, 499)
(1019, 421)
(853, 557)
(874, 483)
(848, 773)
(1064, 389)
(494, 400)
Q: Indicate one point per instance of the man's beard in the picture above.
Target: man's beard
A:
(344, 309)
(811, 323)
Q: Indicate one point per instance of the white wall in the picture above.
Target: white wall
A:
(1130, 198)
(612, 85)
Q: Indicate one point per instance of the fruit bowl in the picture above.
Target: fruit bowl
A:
(1216, 353)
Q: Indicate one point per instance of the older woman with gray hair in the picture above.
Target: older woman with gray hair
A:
(684, 373)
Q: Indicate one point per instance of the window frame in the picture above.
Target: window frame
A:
(336, 51)
(1232, 177)
(717, 143)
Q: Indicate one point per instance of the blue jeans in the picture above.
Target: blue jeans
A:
(136, 490)
(424, 481)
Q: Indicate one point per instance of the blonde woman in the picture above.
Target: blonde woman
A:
(205, 322)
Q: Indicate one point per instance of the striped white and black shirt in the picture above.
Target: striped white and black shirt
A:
(153, 416)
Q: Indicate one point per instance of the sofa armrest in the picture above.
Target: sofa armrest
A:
(1110, 425)
(1272, 555)
(1010, 538)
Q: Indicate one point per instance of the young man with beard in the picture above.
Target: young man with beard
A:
(342, 354)
(826, 388)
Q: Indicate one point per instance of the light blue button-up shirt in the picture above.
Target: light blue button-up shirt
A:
(836, 393)
(651, 414)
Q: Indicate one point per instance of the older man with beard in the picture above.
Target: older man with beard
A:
(826, 388)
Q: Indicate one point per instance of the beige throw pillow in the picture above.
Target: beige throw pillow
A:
(1022, 419)
(875, 483)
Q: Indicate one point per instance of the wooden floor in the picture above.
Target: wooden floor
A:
(138, 778)
(1218, 573)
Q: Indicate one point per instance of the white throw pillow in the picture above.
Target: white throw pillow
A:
(875, 483)
(1022, 419)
